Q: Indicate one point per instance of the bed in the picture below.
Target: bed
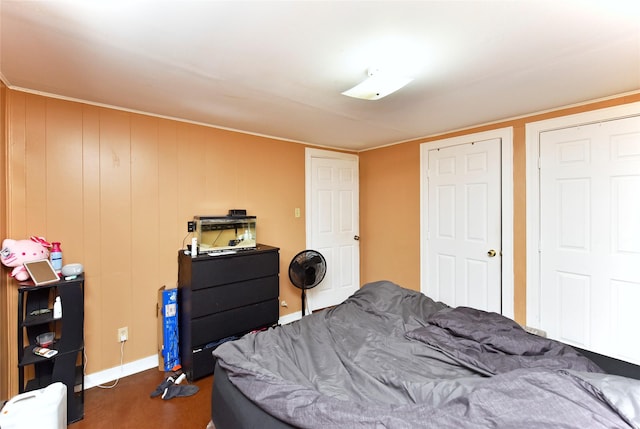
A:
(389, 357)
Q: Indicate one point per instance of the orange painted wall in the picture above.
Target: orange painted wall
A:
(117, 188)
(390, 193)
(390, 215)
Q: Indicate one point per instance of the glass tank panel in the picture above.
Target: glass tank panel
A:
(215, 233)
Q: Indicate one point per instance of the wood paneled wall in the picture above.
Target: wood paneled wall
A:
(117, 188)
(5, 337)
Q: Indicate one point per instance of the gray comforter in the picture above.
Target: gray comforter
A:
(389, 357)
(492, 344)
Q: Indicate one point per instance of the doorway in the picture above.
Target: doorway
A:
(332, 223)
(467, 220)
(583, 253)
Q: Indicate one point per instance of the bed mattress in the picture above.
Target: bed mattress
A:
(389, 357)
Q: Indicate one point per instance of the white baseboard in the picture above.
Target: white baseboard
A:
(112, 374)
(130, 368)
(291, 317)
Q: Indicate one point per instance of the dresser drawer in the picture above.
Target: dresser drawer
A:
(202, 362)
(219, 270)
(239, 320)
(226, 297)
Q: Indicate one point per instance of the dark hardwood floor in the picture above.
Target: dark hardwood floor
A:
(128, 405)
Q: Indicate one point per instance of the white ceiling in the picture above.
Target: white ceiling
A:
(277, 68)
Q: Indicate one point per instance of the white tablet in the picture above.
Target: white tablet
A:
(41, 272)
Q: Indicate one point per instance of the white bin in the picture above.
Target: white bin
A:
(38, 409)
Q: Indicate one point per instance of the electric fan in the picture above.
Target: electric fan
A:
(306, 270)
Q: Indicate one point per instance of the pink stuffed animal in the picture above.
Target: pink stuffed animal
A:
(15, 253)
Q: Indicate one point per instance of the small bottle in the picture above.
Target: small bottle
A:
(194, 247)
(56, 257)
(57, 308)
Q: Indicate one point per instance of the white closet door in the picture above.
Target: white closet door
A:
(590, 236)
(464, 226)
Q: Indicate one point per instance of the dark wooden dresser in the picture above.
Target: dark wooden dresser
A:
(222, 297)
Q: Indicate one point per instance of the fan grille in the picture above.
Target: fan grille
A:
(307, 269)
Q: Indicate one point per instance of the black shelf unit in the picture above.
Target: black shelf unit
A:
(221, 297)
(68, 365)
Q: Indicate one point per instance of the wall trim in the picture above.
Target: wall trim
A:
(291, 317)
(506, 136)
(532, 147)
(330, 296)
(111, 374)
(171, 118)
(115, 373)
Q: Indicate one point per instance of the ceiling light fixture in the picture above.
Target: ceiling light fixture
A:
(379, 84)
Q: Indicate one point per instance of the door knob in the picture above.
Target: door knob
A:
(491, 253)
(356, 237)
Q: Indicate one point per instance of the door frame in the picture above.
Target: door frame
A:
(532, 147)
(311, 153)
(506, 136)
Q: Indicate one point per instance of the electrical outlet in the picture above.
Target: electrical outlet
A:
(191, 226)
(123, 334)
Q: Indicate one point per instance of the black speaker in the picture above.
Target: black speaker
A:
(237, 212)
